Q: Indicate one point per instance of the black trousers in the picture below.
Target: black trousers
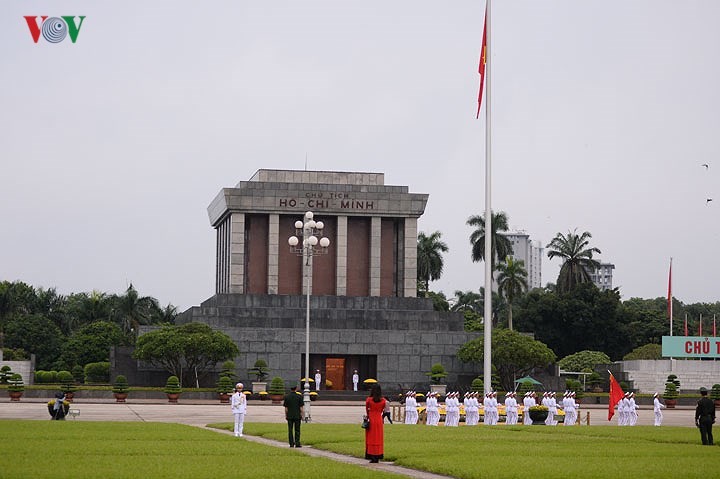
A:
(706, 430)
(294, 426)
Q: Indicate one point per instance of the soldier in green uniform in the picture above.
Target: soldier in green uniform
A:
(293, 414)
(705, 417)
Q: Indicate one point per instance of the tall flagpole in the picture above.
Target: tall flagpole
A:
(670, 311)
(487, 330)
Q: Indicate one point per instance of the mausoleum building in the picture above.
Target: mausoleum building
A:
(364, 313)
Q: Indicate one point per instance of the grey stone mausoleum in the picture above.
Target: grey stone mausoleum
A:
(364, 311)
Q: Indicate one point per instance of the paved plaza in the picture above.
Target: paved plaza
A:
(200, 413)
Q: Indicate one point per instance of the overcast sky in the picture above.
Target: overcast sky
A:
(604, 111)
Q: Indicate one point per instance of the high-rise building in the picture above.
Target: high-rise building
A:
(531, 252)
(602, 276)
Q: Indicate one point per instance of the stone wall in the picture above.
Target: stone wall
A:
(405, 334)
(649, 376)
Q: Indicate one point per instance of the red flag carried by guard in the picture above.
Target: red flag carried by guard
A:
(616, 394)
(481, 68)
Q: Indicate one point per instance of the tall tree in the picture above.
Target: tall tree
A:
(501, 246)
(577, 258)
(513, 354)
(512, 281)
(188, 351)
(132, 310)
(468, 301)
(429, 258)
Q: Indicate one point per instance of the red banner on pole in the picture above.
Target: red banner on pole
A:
(616, 394)
(481, 67)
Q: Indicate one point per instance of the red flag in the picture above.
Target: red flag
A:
(686, 332)
(700, 330)
(616, 394)
(481, 68)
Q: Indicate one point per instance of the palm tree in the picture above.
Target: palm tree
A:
(429, 258)
(512, 281)
(577, 258)
(468, 301)
(501, 246)
(132, 310)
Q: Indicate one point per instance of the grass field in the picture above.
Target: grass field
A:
(517, 451)
(52, 449)
(109, 450)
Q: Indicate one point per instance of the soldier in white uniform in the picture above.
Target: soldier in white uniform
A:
(569, 408)
(494, 416)
(623, 405)
(632, 410)
(318, 379)
(356, 380)
(238, 406)
(486, 409)
(657, 408)
(528, 402)
(431, 406)
(410, 408)
(552, 409)
(508, 408)
(452, 410)
(476, 408)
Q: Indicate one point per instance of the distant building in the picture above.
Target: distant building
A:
(602, 277)
(531, 252)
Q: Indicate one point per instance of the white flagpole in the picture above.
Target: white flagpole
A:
(487, 330)
(670, 298)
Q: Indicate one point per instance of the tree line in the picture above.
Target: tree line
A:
(66, 331)
(570, 315)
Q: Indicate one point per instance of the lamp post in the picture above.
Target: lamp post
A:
(311, 232)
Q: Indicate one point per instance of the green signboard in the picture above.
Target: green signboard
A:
(690, 347)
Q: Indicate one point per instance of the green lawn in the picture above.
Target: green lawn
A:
(516, 451)
(91, 450)
(52, 449)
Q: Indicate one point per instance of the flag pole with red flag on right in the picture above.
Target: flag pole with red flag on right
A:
(616, 394)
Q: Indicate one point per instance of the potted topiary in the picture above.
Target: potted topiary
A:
(715, 394)
(437, 374)
(120, 388)
(16, 386)
(67, 384)
(277, 390)
(173, 389)
(225, 388)
(670, 395)
(260, 370)
(477, 385)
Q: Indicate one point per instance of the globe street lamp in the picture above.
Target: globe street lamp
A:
(311, 232)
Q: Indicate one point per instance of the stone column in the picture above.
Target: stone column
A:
(273, 252)
(375, 233)
(341, 263)
(409, 274)
(237, 253)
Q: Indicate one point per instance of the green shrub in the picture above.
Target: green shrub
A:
(260, 370)
(16, 383)
(172, 386)
(437, 373)
(78, 373)
(67, 381)
(228, 369)
(120, 386)
(675, 380)
(5, 373)
(277, 386)
(671, 391)
(225, 385)
(45, 377)
(583, 359)
(477, 385)
(97, 372)
(573, 385)
(648, 351)
(715, 392)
